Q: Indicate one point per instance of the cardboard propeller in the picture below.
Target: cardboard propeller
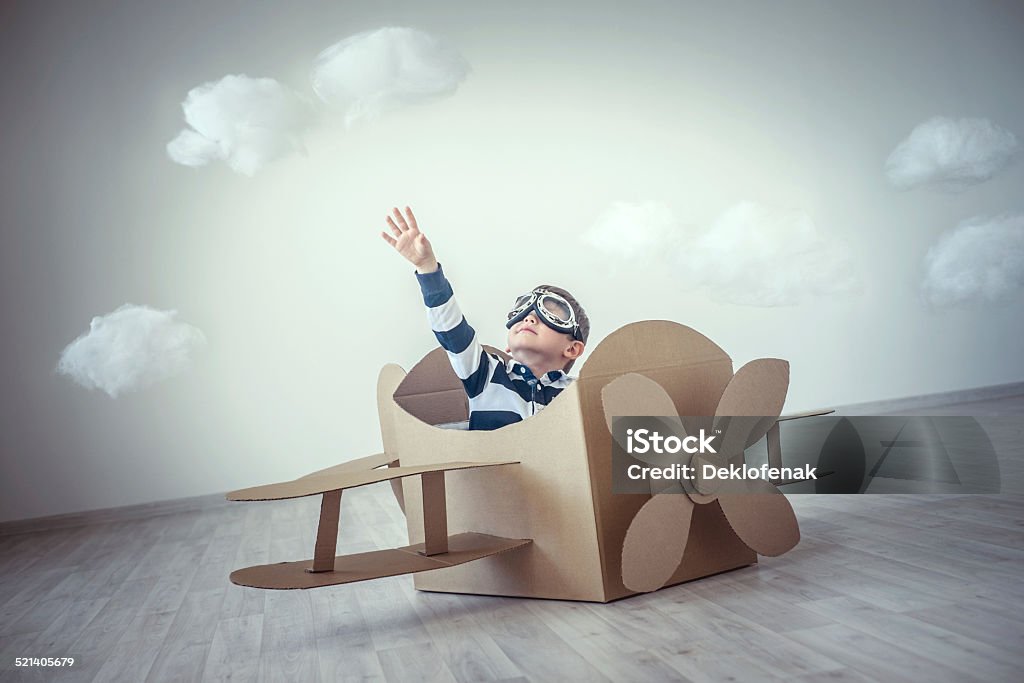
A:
(759, 514)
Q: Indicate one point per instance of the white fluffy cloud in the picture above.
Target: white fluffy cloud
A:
(757, 255)
(371, 72)
(980, 261)
(130, 348)
(246, 122)
(950, 154)
(632, 230)
(751, 254)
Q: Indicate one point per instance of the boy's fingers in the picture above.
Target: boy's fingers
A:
(412, 219)
(388, 238)
(401, 220)
(394, 228)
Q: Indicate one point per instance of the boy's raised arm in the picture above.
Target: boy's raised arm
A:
(470, 361)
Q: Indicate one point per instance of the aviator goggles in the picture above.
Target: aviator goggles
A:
(552, 309)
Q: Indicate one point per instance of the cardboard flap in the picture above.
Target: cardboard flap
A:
(432, 392)
(308, 486)
(763, 518)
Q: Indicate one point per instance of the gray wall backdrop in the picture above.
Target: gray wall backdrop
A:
(569, 107)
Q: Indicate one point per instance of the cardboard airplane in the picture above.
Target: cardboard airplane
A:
(532, 503)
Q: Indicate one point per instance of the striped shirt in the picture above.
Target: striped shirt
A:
(500, 392)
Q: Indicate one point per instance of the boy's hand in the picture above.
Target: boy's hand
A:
(410, 242)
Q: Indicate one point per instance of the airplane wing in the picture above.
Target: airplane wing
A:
(437, 551)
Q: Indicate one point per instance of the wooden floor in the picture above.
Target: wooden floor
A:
(890, 588)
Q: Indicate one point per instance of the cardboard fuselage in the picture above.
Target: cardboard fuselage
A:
(560, 495)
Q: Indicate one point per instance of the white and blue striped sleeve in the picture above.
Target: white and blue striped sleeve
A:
(472, 364)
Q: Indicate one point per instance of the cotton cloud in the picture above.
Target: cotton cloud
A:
(978, 262)
(755, 255)
(752, 254)
(632, 230)
(130, 348)
(374, 71)
(245, 122)
(950, 154)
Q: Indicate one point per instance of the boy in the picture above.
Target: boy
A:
(547, 332)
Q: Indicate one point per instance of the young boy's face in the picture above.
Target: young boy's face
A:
(534, 337)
